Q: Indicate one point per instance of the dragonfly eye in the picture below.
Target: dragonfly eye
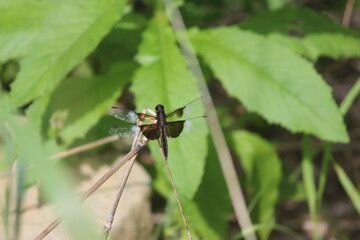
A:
(159, 107)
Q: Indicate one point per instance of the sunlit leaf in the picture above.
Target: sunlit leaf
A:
(263, 175)
(78, 103)
(69, 32)
(271, 81)
(306, 32)
(20, 23)
(164, 79)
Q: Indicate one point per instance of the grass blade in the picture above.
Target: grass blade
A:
(350, 97)
(349, 187)
(309, 181)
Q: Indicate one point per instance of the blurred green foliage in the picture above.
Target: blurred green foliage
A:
(64, 63)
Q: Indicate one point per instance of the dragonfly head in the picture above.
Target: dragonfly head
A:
(159, 108)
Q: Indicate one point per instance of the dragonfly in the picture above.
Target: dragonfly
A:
(157, 125)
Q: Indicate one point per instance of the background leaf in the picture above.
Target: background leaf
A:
(263, 175)
(271, 81)
(276, 4)
(71, 30)
(20, 23)
(78, 103)
(163, 78)
(306, 32)
(212, 194)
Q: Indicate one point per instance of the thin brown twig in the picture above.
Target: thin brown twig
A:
(108, 226)
(110, 219)
(348, 12)
(178, 200)
(93, 188)
(66, 153)
(85, 147)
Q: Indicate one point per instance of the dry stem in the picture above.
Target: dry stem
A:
(93, 188)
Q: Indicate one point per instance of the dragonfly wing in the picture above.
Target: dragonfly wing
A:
(124, 114)
(184, 127)
(173, 129)
(124, 130)
(190, 110)
(130, 116)
(151, 131)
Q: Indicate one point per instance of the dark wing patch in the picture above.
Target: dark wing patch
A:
(151, 131)
(173, 129)
(178, 113)
(190, 110)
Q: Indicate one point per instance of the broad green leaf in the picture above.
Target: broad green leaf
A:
(20, 23)
(56, 185)
(272, 81)
(77, 104)
(163, 78)
(208, 212)
(306, 32)
(71, 30)
(334, 45)
(276, 4)
(295, 20)
(124, 38)
(210, 209)
(263, 175)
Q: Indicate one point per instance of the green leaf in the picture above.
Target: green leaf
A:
(77, 104)
(163, 78)
(124, 38)
(276, 4)
(55, 183)
(69, 32)
(271, 81)
(295, 20)
(306, 32)
(212, 195)
(20, 23)
(263, 172)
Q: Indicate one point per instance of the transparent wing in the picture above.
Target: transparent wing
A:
(129, 116)
(184, 127)
(124, 130)
(192, 109)
(124, 114)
